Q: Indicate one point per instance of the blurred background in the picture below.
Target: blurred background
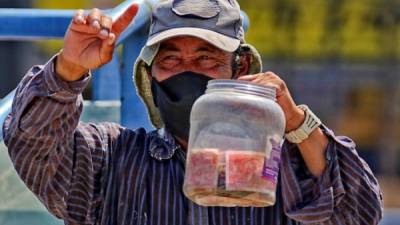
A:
(341, 57)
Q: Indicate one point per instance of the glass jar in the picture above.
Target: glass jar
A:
(236, 131)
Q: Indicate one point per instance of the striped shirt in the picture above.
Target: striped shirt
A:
(110, 175)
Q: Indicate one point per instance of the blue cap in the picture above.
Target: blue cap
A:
(216, 21)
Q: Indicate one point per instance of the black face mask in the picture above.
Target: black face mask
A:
(175, 96)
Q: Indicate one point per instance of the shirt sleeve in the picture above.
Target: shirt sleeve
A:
(346, 193)
(61, 160)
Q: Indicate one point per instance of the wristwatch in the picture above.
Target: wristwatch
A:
(311, 122)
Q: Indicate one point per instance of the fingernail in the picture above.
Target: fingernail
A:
(111, 39)
(104, 33)
(96, 24)
(80, 19)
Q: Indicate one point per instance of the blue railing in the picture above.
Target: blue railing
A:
(39, 24)
(5, 107)
(36, 24)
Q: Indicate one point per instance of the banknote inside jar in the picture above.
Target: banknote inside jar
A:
(228, 178)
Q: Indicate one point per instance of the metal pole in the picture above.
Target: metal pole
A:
(133, 112)
(106, 81)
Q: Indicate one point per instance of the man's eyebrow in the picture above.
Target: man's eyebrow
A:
(166, 47)
(206, 49)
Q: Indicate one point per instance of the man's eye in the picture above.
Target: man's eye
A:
(205, 57)
(206, 61)
(170, 60)
(170, 57)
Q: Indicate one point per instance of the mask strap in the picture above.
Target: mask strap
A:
(236, 61)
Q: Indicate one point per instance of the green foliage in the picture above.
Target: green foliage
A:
(315, 29)
(306, 29)
(62, 4)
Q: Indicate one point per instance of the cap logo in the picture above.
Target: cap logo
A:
(199, 8)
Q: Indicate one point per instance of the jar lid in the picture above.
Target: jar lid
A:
(242, 87)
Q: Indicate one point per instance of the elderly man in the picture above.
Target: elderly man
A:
(108, 174)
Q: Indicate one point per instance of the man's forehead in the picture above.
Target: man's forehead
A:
(188, 43)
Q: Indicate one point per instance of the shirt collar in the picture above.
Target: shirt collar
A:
(162, 145)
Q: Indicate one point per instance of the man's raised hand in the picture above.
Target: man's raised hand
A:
(90, 41)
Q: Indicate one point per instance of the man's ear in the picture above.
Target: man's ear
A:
(243, 64)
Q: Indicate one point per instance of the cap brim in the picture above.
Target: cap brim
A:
(218, 40)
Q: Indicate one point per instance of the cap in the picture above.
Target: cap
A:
(216, 21)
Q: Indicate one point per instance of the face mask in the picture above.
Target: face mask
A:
(175, 96)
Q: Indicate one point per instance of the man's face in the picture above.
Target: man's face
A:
(180, 54)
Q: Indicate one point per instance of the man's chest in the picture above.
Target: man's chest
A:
(142, 190)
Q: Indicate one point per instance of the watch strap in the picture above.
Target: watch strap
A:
(311, 122)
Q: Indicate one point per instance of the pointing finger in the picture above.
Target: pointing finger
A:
(125, 19)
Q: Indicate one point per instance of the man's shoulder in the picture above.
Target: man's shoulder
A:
(138, 136)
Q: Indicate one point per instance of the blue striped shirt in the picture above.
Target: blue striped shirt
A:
(110, 175)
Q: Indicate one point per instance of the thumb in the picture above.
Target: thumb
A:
(107, 49)
(124, 19)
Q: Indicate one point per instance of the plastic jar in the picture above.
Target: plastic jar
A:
(236, 130)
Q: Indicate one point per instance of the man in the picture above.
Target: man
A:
(107, 174)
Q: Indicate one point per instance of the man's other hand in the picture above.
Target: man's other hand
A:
(294, 116)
